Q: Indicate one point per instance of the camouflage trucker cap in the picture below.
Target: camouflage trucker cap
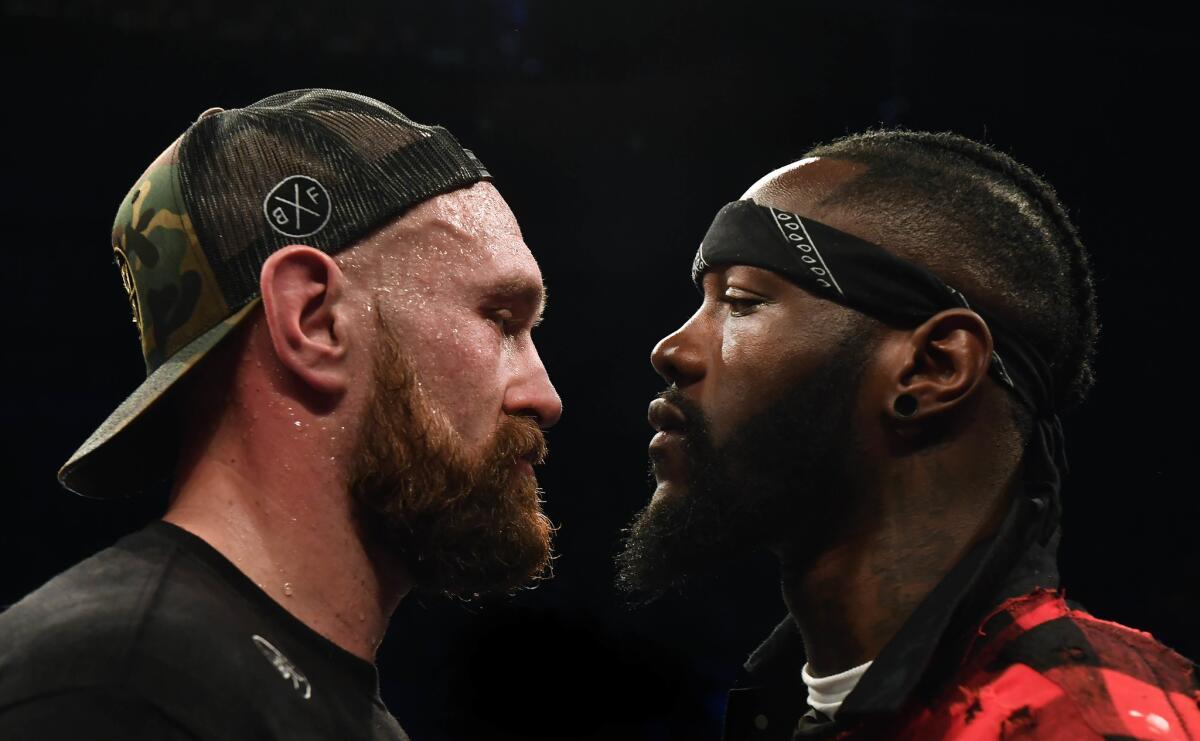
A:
(316, 167)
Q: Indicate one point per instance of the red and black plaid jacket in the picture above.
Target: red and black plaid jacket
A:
(1041, 669)
(994, 652)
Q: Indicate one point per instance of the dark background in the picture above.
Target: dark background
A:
(615, 130)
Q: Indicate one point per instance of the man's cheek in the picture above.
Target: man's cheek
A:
(469, 406)
(729, 406)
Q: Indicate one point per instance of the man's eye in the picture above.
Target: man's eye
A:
(741, 305)
(505, 320)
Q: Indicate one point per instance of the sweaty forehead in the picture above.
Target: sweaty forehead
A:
(470, 232)
(474, 217)
(475, 214)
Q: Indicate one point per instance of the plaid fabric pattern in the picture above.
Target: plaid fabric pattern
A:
(1035, 668)
(1040, 669)
(993, 652)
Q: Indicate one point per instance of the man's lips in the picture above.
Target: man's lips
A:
(670, 423)
(664, 416)
(529, 459)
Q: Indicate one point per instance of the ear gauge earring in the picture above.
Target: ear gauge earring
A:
(905, 405)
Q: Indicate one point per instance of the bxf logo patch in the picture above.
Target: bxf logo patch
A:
(284, 666)
(297, 207)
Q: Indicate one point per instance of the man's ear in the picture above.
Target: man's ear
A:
(303, 290)
(937, 365)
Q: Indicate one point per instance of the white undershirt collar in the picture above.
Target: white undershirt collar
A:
(825, 694)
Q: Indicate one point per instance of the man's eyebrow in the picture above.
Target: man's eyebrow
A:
(522, 291)
(541, 310)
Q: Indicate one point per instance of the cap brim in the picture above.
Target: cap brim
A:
(126, 453)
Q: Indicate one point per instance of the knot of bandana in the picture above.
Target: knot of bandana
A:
(867, 278)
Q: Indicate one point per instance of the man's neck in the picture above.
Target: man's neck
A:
(853, 597)
(292, 533)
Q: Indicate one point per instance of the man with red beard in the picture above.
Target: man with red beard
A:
(870, 389)
(335, 308)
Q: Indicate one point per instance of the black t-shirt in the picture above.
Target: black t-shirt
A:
(161, 637)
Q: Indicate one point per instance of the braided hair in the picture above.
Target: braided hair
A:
(986, 225)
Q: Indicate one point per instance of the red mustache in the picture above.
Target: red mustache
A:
(520, 438)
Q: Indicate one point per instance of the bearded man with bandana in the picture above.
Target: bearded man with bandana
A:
(871, 389)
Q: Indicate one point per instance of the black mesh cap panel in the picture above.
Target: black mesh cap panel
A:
(367, 160)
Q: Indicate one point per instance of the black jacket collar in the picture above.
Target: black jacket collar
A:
(770, 695)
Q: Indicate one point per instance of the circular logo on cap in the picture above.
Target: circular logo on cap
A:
(297, 207)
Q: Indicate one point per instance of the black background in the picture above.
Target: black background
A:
(615, 130)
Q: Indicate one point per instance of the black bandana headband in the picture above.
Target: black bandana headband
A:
(869, 279)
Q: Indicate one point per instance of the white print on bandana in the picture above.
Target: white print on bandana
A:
(794, 232)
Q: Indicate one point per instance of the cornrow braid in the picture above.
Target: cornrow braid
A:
(987, 225)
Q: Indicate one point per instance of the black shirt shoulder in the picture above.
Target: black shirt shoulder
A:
(92, 713)
(81, 628)
(160, 626)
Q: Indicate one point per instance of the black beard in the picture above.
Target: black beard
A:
(783, 469)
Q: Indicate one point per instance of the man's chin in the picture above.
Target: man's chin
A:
(660, 552)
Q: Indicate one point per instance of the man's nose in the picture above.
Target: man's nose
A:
(677, 356)
(531, 394)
